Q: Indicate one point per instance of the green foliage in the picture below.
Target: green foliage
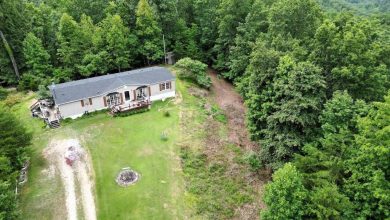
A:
(117, 42)
(297, 18)
(217, 193)
(348, 49)
(285, 196)
(369, 183)
(230, 14)
(43, 92)
(256, 22)
(37, 62)
(193, 70)
(132, 112)
(149, 33)
(254, 161)
(3, 93)
(284, 113)
(13, 143)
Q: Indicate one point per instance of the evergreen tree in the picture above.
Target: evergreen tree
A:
(149, 33)
(117, 41)
(37, 61)
(69, 51)
(37, 58)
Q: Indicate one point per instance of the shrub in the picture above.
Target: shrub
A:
(124, 114)
(193, 70)
(3, 93)
(43, 92)
(167, 114)
(254, 161)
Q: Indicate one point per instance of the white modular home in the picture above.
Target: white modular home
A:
(118, 92)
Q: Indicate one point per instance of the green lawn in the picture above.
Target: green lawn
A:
(133, 141)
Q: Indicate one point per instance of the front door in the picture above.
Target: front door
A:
(141, 93)
(113, 99)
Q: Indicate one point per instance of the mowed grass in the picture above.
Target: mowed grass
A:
(135, 142)
(114, 143)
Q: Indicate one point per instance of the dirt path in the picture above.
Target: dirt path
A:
(76, 179)
(233, 105)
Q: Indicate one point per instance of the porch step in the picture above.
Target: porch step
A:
(55, 124)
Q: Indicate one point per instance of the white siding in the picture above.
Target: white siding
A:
(75, 109)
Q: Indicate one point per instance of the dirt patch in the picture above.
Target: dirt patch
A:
(76, 179)
(233, 105)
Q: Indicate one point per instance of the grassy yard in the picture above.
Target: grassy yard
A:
(134, 141)
(194, 174)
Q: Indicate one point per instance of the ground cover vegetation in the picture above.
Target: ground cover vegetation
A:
(314, 77)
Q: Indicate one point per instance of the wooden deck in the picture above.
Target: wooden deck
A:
(130, 107)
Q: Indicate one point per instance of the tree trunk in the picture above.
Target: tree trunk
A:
(11, 56)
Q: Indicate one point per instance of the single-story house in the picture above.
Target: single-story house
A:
(117, 92)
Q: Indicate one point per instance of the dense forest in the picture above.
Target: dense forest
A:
(314, 76)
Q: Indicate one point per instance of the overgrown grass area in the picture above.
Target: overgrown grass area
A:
(214, 169)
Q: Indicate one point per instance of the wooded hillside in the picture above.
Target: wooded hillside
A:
(314, 76)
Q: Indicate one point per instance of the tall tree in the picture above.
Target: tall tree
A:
(37, 58)
(14, 26)
(298, 18)
(117, 41)
(205, 15)
(348, 51)
(149, 33)
(230, 14)
(323, 161)
(247, 33)
(369, 183)
(69, 45)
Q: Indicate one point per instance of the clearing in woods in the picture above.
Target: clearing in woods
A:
(209, 123)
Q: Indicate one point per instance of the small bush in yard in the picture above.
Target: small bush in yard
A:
(167, 114)
(193, 70)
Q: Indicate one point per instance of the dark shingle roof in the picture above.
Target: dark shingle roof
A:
(96, 86)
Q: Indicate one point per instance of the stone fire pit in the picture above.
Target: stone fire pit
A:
(127, 177)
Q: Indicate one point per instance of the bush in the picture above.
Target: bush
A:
(43, 92)
(193, 70)
(167, 114)
(254, 161)
(124, 114)
(3, 93)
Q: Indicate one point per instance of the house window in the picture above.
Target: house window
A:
(127, 95)
(165, 86)
(162, 86)
(86, 102)
(168, 85)
(113, 99)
